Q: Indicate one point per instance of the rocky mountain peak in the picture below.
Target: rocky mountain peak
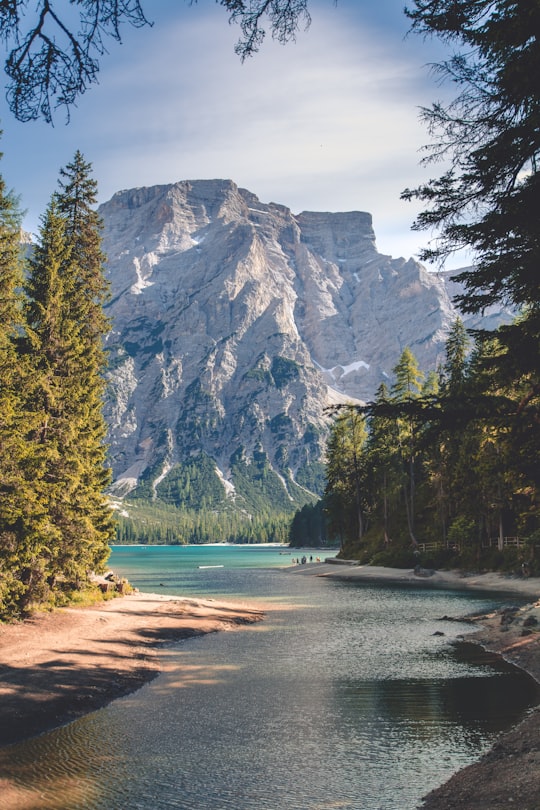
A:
(235, 323)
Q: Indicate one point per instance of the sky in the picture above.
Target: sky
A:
(328, 123)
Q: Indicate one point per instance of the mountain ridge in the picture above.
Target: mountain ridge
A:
(235, 323)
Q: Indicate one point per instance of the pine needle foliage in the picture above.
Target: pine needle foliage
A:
(449, 472)
(21, 517)
(487, 198)
(55, 520)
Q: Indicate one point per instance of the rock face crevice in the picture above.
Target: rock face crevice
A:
(235, 323)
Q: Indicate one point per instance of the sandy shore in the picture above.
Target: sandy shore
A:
(495, 582)
(509, 774)
(58, 666)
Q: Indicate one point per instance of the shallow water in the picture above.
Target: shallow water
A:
(341, 698)
(210, 570)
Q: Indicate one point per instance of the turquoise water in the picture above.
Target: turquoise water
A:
(224, 571)
(342, 698)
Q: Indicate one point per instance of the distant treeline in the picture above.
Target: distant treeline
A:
(153, 522)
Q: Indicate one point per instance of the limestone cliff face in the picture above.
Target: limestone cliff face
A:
(235, 323)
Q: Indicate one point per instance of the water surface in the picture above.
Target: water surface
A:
(342, 698)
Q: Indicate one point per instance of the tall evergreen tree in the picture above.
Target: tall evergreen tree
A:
(66, 326)
(89, 292)
(19, 515)
(455, 366)
(10, 318)
(77, 197)
(345, 495)
(488, 197)
(408, 377)
(53, 346)
(407, 387)
(384, 464)
(447, 444)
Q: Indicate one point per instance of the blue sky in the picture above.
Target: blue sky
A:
(329, 123)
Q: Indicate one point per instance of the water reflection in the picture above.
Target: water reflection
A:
(425, 705)
(347, 700)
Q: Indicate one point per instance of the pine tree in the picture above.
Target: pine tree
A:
(443, 439)
(455, 367)
(17, 515)
(406, 388)
(345, 495)
(10, 320)
(408, 377)
(488, 196)
(384, 463)
(446, 449)
(66, 325)
(89, 292)
(52, 345)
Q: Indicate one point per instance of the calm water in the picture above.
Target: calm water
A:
(341, 698)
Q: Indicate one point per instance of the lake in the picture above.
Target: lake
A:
(346, 696)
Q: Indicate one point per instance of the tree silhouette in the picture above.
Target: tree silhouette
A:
(54, 48)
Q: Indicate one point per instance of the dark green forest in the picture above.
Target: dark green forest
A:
(55, 520)
(152, 522)
(441, 470)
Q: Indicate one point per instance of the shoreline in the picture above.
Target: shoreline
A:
(56, 667)
(491, 581)
(59, 666)
(508, 775)
(501, 632)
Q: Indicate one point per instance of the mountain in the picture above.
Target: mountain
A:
(235, 323)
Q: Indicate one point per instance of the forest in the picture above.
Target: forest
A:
(441, 470)
(55, 519)
(153, 522)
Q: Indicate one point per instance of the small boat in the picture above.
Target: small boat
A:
(209, 566)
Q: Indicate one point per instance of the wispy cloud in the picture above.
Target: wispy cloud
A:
(328, 123)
